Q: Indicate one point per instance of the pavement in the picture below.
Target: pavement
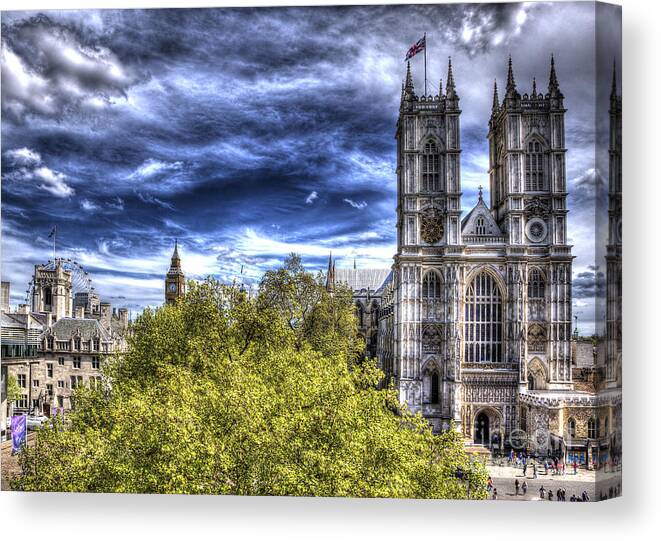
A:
(595, 483)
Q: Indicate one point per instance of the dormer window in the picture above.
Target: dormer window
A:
(480, 226)
(430, 176)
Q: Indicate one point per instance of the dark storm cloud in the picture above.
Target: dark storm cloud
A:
(589, 284)
(251, 133)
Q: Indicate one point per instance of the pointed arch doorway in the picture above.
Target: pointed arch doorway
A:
(481, 429)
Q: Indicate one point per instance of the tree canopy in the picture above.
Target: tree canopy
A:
(222, 393)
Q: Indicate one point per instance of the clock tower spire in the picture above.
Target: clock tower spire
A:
(175, 281)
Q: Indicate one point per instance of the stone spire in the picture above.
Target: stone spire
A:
(554, 88)
(534, 88)
(450, 88)
(440, 87)
(409, 91)
(614, 82)
(175, 261)
(330, 273)
(496, 101)
(511, 85)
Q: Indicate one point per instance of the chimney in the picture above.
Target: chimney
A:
(123, 317)
(79, 312)
(106, 314)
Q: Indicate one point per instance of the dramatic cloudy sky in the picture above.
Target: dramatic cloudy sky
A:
(251, 133)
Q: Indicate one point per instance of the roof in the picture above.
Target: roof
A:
(66, 327)
(17, 319)
(359, 279)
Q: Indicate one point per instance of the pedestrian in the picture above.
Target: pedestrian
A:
(573, 498)
(542, 492)
(564, 495)
(525, 467)
(550, 495)
(495, 494)
(575, 467)
(585, 496)
(534, 470)
(558, 495)
(516, 487)
(524, 487)
(489, 484)
(546, 468)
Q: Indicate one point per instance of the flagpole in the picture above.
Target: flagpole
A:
(425, 64)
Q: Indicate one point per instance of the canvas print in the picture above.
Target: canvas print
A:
(358, 251)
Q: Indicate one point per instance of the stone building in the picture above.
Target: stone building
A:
(474, 317)
(58, 342)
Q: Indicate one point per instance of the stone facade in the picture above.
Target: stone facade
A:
(474, 318)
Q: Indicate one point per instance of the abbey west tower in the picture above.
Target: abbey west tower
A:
(481, 305)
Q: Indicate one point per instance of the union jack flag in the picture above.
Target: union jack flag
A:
(416, 48)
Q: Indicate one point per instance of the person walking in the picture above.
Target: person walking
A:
(516, 487)
(524, 487)
(558, 495)
(575, 467)
(534, 470)
(550, 495)
(489, 484)
(542, 492)
(546, 467)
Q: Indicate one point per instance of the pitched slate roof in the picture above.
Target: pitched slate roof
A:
(359, 279)
(64, 328)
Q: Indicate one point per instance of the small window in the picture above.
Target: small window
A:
(480, 226)
(593, 430)
(76, 362)
(434, 387)
(60, 361)
(50, 369)
(22, 380)
(49, 389)
(60, 384)
(60, 401)
(96, 363)
(23, 402)
(35, 383)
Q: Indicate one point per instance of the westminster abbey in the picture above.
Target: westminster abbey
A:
(473, 323)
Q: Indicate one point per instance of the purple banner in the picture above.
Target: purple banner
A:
(19, 431)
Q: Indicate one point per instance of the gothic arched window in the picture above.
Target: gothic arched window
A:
(571, 427)
(536, 285)
(483, 331)
(480, 226)
(431, 295)
(531, 382)
(592, 429)
(430, 175)
(606, 426)
(434, 387)
(534, 167)
(48, 296)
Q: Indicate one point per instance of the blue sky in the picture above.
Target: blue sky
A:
(251, 133)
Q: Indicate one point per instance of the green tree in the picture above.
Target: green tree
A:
(226, 394)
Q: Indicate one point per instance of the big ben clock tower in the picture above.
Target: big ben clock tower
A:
(175, 281)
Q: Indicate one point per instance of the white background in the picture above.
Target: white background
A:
(109, 516)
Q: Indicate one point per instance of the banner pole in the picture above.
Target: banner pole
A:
(425, 64)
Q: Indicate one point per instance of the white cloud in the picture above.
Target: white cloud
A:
(53, 182)
(88, 205)
(23, 157)
(310, 198)
(152, 167)
(361, 205)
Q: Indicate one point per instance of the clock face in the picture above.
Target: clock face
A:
(172, 287)
(431, 227)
